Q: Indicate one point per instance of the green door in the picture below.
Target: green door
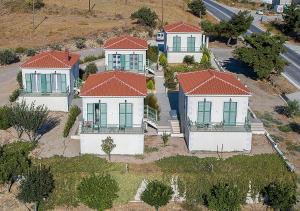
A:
(122, 62)
(43, 83)
(191, 44)
(176, 44)
(28, 82)
(204, 112)
(110, 61)
(229, 115)
(125, 115)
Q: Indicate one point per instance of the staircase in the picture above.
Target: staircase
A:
(149, 67)
(150, 116)
(175, 128)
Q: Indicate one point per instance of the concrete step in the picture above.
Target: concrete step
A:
(164, 129)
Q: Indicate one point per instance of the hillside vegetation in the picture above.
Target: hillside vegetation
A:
(67, 19)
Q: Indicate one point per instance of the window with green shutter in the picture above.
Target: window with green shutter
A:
(204, 112)
(140, 62)
(43, 83)
(28, 82)
(229, 113)
(63, 83)
(122, 59)
(176, 43)
(125, 115)
(110, 62)
(191, 44)
(90, 112)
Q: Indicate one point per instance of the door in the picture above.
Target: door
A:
(43, 83)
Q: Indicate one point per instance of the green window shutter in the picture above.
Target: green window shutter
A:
(63, 83)
(174, 43)
(129, 115)
(127, 62)
(140, 62)
(178, 44)
(204, 112)
(229, 113)
(110, 61)
(122, 60)
(28, 82)
(103, 115)
(43, 83)
(48, 82)
(125, 115)
(53, 82)
(191, 44)
(122, 115)
(90, 112)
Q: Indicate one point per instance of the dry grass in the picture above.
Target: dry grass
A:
(68, 19)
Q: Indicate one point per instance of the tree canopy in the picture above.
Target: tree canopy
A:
(291, 18)
(232, 29)
(262, 53)
(98, 192)
(197, 7)
(145, 16)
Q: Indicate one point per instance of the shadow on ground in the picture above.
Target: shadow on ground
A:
(51, 123)
(238, 67)
(173, 100)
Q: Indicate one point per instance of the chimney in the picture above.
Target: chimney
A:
(67, 54)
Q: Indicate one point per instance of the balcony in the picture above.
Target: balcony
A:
(183, 50)
(90, 128)
(218, 127)
(24, 93)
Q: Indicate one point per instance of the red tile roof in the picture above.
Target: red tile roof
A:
(181, 27)
(52, 59)
(125, 42)
(115, 83)
(211, 82)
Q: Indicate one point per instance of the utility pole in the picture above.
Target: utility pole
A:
(33, 10)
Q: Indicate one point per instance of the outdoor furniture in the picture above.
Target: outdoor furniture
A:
(219, 125)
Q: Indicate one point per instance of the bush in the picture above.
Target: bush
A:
(163, 60)
(157, 194)
(89, 58)
(98, 192)
(90, 69)
(280, 196)
(152, 53)
(73, 113)
(19, 79)
(145, 17)
(37, 3)
(8, 56)
(285, 128)
(292, 108)
(5, 112)
(225, 197)
(197, 7)
(80, 43)
(30, 52)
(150, 84)
(14, 95)
(189, 60)
(151, 100)
(205, 60)
(20, 50)
(56, 46)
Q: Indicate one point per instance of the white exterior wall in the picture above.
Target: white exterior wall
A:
(125, 52)
(217, 141)
(128, 144)
(113, 108)
(53, 103)
(177, 57)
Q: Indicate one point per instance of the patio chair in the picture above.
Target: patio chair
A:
(219, 126)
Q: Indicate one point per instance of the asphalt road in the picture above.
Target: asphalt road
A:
(292, 71)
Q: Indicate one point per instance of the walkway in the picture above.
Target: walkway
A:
(163, 99)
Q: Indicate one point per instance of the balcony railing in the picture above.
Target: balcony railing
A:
(218, 127)
(24, 93)
(184, 50)
(90, 128)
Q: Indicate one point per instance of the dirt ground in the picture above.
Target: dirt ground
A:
(68, 19)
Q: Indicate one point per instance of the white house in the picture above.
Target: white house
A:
(126, 53)
(182, 39)
(48, 79)
(113, 105)
(213, 108)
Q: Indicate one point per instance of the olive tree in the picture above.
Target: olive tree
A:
(108, 145)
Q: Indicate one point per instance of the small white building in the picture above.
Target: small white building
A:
(48, 79)
(126, 53)
(113, 105)
(213, 110)
(182, 39)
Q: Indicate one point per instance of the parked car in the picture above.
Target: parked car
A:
(259, 12)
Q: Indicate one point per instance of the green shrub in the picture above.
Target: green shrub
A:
(37, 3)
(145, 16)
(189, 60)
(8, 56)
(205, 60)
(151, 100)
(150, 149)
(5, 112)
(197, 7)
(14, 95)
(281, 196)
(292, 108)
(89, 58)
(163, 60)
(80, 43)
(152, 53)
(285, 128)
(30, 52)
(90, 69)
(56, 46)
(150, 84)
(73, 113)
(19, 79)
(98, 192)
(21, 50)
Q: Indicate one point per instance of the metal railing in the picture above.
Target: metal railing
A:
(218, 127)
(24, 93)
(184, 49)
(150, 113)
(91, 128)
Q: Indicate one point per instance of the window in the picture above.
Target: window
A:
(28, 82)
(61, 83)
(46, 83)
(191, 44)
(110, 62)
(204, 112)
(177, 44)
(229, 115)
(125, 115)
(97, 114)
